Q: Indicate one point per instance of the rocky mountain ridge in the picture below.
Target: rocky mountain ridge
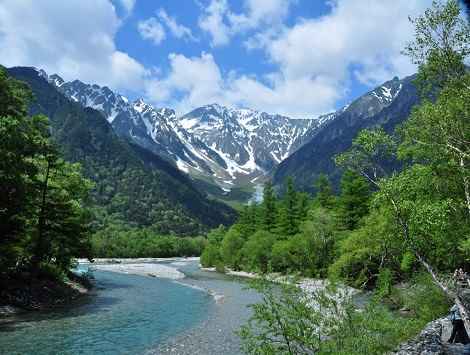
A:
(214, 143)
(386, 106)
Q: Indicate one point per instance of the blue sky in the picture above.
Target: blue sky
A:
(296, 57)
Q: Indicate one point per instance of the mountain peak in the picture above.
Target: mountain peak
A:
(140, 105)
(56, 80)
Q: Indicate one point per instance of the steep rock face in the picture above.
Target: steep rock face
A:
(386, 106)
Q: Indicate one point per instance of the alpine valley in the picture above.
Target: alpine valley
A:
(228, 151)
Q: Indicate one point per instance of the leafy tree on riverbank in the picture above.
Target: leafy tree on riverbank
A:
(43, 220)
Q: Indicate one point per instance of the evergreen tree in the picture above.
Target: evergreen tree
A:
(303, 205)
(42, 214)
(289, 213)
(353, 203)
(247, 221)
(268, 207)
(325, 197)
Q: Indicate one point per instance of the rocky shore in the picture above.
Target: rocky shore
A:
(431, 341)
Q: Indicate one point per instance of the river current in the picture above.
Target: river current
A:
(130, 314)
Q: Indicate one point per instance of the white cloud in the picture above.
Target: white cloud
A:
(260, 12)
(178, 30)
(316, 59)
(197, 80)
(152, 30)
(128, 4)
(221, 23)
(213, 22)
(74, 38)
(366, 34)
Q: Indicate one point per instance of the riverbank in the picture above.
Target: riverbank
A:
(308, 285)
(19, 293)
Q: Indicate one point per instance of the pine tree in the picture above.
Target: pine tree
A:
(289, 213)
(354, 199)
(324, 197)
(303, 205)
(247, 221)
(268, 207)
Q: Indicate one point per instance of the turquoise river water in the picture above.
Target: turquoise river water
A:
(129, 314)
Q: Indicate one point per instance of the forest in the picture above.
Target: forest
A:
(44, 223)
(399, 226)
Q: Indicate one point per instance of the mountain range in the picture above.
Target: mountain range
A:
(224, 146)
(224, 150)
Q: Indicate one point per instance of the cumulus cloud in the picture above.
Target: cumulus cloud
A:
(313, 61)
(213, 22)
(178, 30)
(196, 81)
(128, 5)
(316, 59)
(368, 35)
(191, 82)
(259, 12)
(152, 30)
(221, 23)
(74, 38)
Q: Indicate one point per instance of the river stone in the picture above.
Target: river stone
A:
(8, 311)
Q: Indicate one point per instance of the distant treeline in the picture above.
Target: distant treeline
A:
(120, 241)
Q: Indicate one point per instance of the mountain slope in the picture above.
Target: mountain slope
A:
(132, 183)
(213, 143)
(386, 106)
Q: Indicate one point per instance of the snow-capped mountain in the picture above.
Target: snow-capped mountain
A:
(226, 146)
(249, 142)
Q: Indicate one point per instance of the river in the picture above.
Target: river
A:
(130, 314)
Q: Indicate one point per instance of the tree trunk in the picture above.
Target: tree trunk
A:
(465, 183)
(449, 293)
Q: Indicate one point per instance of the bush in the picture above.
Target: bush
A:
(257, 251)
(211, 256)
(282, 256)
(231, 248)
